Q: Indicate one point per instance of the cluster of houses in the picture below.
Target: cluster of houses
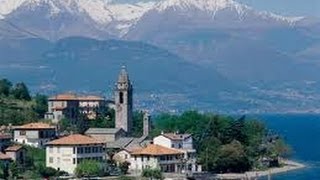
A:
(170, 152)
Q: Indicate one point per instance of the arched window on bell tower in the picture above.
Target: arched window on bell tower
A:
(121, 97)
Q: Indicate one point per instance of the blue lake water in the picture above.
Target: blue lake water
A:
(302, 132)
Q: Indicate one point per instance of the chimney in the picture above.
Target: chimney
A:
(146, 123)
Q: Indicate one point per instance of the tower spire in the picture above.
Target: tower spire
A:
(123, 101)
(123, 76)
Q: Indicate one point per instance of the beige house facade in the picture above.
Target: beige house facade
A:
(66, 153)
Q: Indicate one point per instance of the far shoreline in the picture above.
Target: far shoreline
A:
(287, 167)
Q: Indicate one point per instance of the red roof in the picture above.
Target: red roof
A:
(156, 150)
(4, 156)
(68, 96)
(75, 139)
(74, 97)
(14, 148)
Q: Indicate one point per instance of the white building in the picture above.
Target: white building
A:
(184, 143)
(156, 156)
(34, 134)
(66, 153)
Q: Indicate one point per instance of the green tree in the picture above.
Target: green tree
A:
(14, 170)
(208, 153)
(35, 157)
(20, 91)
(232, 158)
(41, 105)
(152, 173)
(47, 172)
(88, 168)
(105, 118)
(5, 87)
(4, 170)
(137, 126)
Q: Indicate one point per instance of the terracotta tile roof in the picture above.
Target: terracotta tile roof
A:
(90, 98)
(74, 97)
(59, 108)
(155, 150)
(38, 125)
(67, 96)
(75, 139)
(4, 156)
(174, 136)
(5, 136)
(14, 148)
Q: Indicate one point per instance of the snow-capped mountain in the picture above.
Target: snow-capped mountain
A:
(94, 18)
(7, 6)
(104, 18)
(212, 7)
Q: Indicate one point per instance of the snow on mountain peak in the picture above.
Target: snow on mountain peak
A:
(109, 15)
(204, 5)
(212, 7)
(7, 6)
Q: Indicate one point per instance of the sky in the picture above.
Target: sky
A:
(282, 7)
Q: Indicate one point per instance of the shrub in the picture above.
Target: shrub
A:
(152, 173)
(88, 168)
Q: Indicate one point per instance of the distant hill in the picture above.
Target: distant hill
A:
(85, 64)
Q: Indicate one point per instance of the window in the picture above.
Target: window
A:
(148, 158)
(135, 158)
(41, 134)
(87, 149)
(180, 146)
(50, 149)
(58, 149)
(172, 145)
(121, 97)
(50, 159)
(74, 150)
(74, 160)
(23, 133)
(142, 158)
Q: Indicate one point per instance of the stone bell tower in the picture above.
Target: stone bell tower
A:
(123, 101)
(146, 123)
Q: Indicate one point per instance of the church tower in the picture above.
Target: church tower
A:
(146, 123)
(123, 101)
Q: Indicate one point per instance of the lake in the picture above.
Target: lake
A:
(302, 132)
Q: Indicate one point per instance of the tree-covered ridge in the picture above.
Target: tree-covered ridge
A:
(17, 106)
(226, 144)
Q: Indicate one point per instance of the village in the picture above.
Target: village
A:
(168, 152)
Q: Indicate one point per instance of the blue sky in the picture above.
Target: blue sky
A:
(283, 7)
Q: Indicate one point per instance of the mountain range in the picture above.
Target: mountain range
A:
(208, 50)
